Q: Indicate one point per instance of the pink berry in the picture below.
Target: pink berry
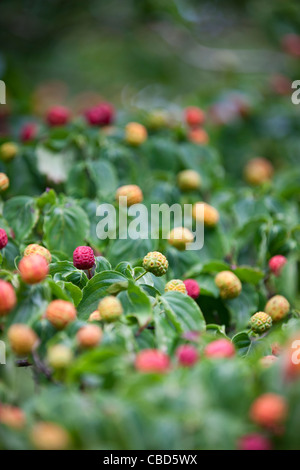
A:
(192, 288)
(254, 441)
(3, 238)
(102, 114)
(83, 257)
(152, 360)
(187, 355)
(276, 264)
(58, 116)
(28, 131)
(219, 348)
(194, 116)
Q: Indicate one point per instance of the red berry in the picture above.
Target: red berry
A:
(58, 116)
(83, 257)
(152, 360)
(28, 131)
(187, 355)
(291, 44)
(276, 264)
(269, 410)
(7, 297)
(194, 116)
(3, 238)
(254, 441)
(192, 288)
(102, 114)
(220, 348)
(33, 269)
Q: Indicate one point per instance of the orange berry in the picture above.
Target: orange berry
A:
(22, 339)
(33, 269)
(60, 313)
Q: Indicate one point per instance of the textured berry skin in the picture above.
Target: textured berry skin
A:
(95, 316)
(276, 264)
(60, 313)
(58, 116)
(175, 285)
(22, 339)
(132, 192)
(3, 238)
(59, 356)
(269, 410)
(220, 348)
(258, 171)
(260, 322)
(89, 336)
(28, 132)
(8, 151)
(189, 180)
(277, 307)
(135, 134)
(4, 182)
(291, 44)
(187, 355)
(229, 284)
(102, 114)
(33, 269)
(110, 308)
(35, 249)
(194, 116)
(254, 441)
(8, 297)
(180, 237)
(83, 257)
(12, 416)
(192, 288)
(156, 263)
(210, 216)
(49, 436)
(152, 361)
(267, 361)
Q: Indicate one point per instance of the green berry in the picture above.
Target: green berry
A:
(260, 322)
(156, 263)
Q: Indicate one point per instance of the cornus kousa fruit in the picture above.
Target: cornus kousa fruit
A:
(277, 263)
(8, 151)
(291, 44)
(156, 263)
(35, 249)
(194, 116)
(229, 284)
(94, 316)
(187, 355)
(220, 348)
(83, 257)
(102, 114)
(152, 361)
(157, 119)
(8, 297)
(175, 285)
(59, 356)
(33, 268)
(189, 180)
(58, 116)
(254, 441)
(132, 192)
(28, 131)
(60, 313)
(192, 288)
(180, 237)
(22, 339)
(135, 134)
(110, 308)
(277, 307)
(3, 238)
(260, 322)
(49, 436)
(89, 336)
(4, 182)
(199, 136)
(12, 416)
(258, 171)
(269, 410)
(205, 213)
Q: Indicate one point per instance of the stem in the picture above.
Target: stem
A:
(141, 275)
(90, 274)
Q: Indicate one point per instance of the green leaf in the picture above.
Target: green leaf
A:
(137, 303)
(183, 312)
(22, 214)
(249, 274)
(242, 343)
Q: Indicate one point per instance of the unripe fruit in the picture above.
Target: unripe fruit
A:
(8, 151)
(267, 361)
(188, 180)
(60, 313)
(220, 348)
(192, 288)
(89, 336)
(156, 263)
(229, 284)
(152, 361)
(22, 339)
(254, 441)
(194, 116)
(180, 237)
(210, 216)
(12, 416)
(132, 192)
(58, 116)
(277, 307)
(198, 136)
(102, 114)
(35, 249)
(8, 297)
(83, 257)
(157, 119)
(4, 182)
(28, 132)
(187, 355)
(59, 356)
(135, 134)
(258, 171)
(175, 285)
(49, 436)
(3, 238)
(94, 316)
(269, 410)
(260, 322)
(110, 308)
(33, 269)
(276, 264)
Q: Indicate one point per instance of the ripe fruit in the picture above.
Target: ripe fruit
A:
(59, 356)
(60, 313)
(220, 348)
(291, 44)
(83, 257)
(58, 116)
(192, 288)
(22, 339)
(8, 297)
(89, 336)
(33, 268)
(35, 249)
(229, 284)
(3, 238)
(276, 264)
(132, 192)
(180, 237)
(188, 180)
(28, 131)
(135, 134)
(156, 263)
(175, 285)
(194, 116)
(277, 307)
(8, 151)
(152, 361)
(269, 410)
(198, 136)
(110, 308)
(4, 182)
(94, 316)
(102, 114)
(260, 322)
(254, 441)
(12, 416)
(49, 436)
(258, 171)
(208, 215)
(187, 355)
